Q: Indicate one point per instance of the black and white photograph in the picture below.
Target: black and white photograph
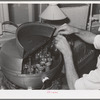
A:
(50, 46)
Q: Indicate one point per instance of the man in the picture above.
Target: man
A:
(88, 81)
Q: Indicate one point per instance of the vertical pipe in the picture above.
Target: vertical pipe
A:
(1, 13)
(40, 12)
(90, 18)
(6, 12)
(30, 12)
(1, 19)
(99, 21)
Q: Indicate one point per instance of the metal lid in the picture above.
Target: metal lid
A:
(31, 36)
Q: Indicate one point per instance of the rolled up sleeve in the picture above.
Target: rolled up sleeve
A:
(89, 81)
(79, 84)
(97, 42)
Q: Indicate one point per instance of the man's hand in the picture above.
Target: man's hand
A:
(62, 45)
(66, 29)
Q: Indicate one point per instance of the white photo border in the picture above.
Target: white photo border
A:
(49, 94)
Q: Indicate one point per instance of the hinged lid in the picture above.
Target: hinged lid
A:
(31, 36)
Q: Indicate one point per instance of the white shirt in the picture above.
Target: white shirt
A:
(92, 80)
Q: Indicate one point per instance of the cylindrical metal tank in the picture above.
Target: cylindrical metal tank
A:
(13, 52)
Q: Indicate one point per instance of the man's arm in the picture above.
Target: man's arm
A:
(64, 47)
(84, 35)
(71, 74)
